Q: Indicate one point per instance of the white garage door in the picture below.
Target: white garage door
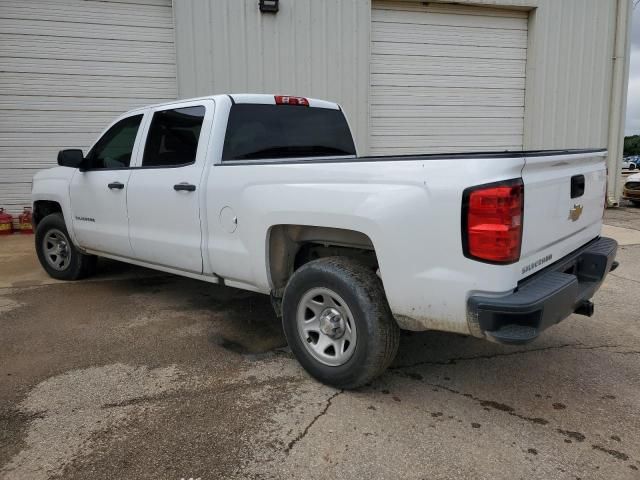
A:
(446, 78)
(68, 67)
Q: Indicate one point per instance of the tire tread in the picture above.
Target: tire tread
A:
(385, 337)
(81, 266)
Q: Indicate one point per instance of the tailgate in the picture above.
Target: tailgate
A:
(564, 196)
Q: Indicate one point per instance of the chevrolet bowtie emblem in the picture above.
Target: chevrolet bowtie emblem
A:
(575, 212)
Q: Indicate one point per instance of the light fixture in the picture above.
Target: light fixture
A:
(269, 6)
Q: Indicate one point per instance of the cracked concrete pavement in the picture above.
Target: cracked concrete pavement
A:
(136, 374)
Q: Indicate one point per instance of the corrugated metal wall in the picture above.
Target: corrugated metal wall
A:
(321, 48)
(68, 67)
(569, 73)
(314, 48)
(446, 78)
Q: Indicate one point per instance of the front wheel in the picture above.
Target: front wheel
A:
(57, 254)
(338, 323)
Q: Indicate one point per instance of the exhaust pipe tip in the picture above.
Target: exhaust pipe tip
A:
(586, 308)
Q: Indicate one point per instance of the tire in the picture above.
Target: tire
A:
(347, 300)
(56, 252)
(636, 203)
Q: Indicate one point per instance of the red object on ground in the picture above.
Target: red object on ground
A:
(6, 223)
(24, 221)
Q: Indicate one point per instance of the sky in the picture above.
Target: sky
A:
(632, 126)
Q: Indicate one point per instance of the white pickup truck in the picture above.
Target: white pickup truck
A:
(267, 193)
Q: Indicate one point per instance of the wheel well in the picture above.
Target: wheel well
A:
(291, 246)
(42, 208)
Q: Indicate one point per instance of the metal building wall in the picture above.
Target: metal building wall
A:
(446, 78)
(67, 68)
(569, 73)
(321, 48)
(314, 48)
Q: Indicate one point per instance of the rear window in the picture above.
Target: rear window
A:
(284, 131)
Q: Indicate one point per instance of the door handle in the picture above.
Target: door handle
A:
(184, 187)
(116, 185)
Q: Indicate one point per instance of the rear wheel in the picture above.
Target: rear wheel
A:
(338, 323)
(57, 254)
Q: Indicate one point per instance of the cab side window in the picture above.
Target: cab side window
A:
(173, 137)
(115, 147)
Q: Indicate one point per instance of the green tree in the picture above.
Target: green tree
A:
(632, 145)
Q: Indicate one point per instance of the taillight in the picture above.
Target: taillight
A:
(287, 100)
(492, 222)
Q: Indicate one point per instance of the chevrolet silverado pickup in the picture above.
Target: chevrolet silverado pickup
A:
(267, 193)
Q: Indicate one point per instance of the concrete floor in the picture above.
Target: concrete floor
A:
(135, 374)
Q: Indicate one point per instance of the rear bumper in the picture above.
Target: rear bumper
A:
(547, 297)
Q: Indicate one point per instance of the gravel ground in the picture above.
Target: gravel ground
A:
(136, 374)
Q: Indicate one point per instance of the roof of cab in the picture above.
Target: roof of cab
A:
(271, 100)
(255, 98)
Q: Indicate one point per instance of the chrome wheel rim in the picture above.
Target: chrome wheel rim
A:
(326, 327)
(55, 246)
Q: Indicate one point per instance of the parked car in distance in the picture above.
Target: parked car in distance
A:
(631, 189)
(267, 193)
(629, 163)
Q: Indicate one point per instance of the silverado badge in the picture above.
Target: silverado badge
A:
(575, 212)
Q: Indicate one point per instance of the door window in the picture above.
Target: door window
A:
(173, 137)
(114, 148)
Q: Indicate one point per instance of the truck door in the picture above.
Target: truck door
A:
(99, 193)
(164, 191)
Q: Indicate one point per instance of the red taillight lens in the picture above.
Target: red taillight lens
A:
(492, 222)
(287, 100)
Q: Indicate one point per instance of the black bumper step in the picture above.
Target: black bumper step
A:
(547, 297)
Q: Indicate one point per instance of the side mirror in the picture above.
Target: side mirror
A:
(72, 157)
